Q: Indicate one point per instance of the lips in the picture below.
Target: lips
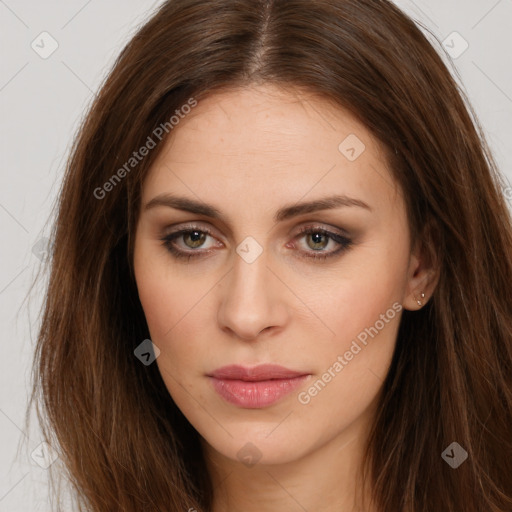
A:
(255, 387)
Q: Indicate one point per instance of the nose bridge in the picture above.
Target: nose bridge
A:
(250, 301)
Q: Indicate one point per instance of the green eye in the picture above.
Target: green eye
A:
(317, 240)
(196, 237)
(320, 239)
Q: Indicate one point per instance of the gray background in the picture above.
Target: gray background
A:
(42, 101)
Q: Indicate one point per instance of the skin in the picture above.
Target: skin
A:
(250, 152)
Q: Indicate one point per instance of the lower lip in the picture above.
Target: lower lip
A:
(258, 394)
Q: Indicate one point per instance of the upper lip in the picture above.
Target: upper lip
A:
(255, 373)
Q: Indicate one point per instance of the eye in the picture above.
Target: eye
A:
(318, 239)
(185, 242)
(191, 238)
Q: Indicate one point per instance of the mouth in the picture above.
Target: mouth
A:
(255, 387)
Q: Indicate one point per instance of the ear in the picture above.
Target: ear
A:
(423, 271)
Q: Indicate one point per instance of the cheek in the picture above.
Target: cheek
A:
(175, 315)
(167, 296)
(352, 365)
(365, 326)
(173, 318)
(356, 300)
(362, 309)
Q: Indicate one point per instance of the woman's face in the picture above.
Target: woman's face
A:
(244, 173)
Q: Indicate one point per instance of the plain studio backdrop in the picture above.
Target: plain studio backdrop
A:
(54, 56)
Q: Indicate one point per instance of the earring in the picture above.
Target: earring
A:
(419, 301)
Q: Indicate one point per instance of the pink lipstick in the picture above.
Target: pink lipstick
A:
(255, 387)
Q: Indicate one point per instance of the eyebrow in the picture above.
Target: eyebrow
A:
(284, 213)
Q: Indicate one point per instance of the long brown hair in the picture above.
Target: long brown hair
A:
(124, 443)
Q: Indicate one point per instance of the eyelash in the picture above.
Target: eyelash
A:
(343, 241)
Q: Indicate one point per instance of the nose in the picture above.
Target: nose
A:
(252, 300)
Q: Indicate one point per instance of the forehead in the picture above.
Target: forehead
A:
(264, 142)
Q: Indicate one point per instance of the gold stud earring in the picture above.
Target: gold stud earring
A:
(419, 301)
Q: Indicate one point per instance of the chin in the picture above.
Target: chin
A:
(255, 446)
